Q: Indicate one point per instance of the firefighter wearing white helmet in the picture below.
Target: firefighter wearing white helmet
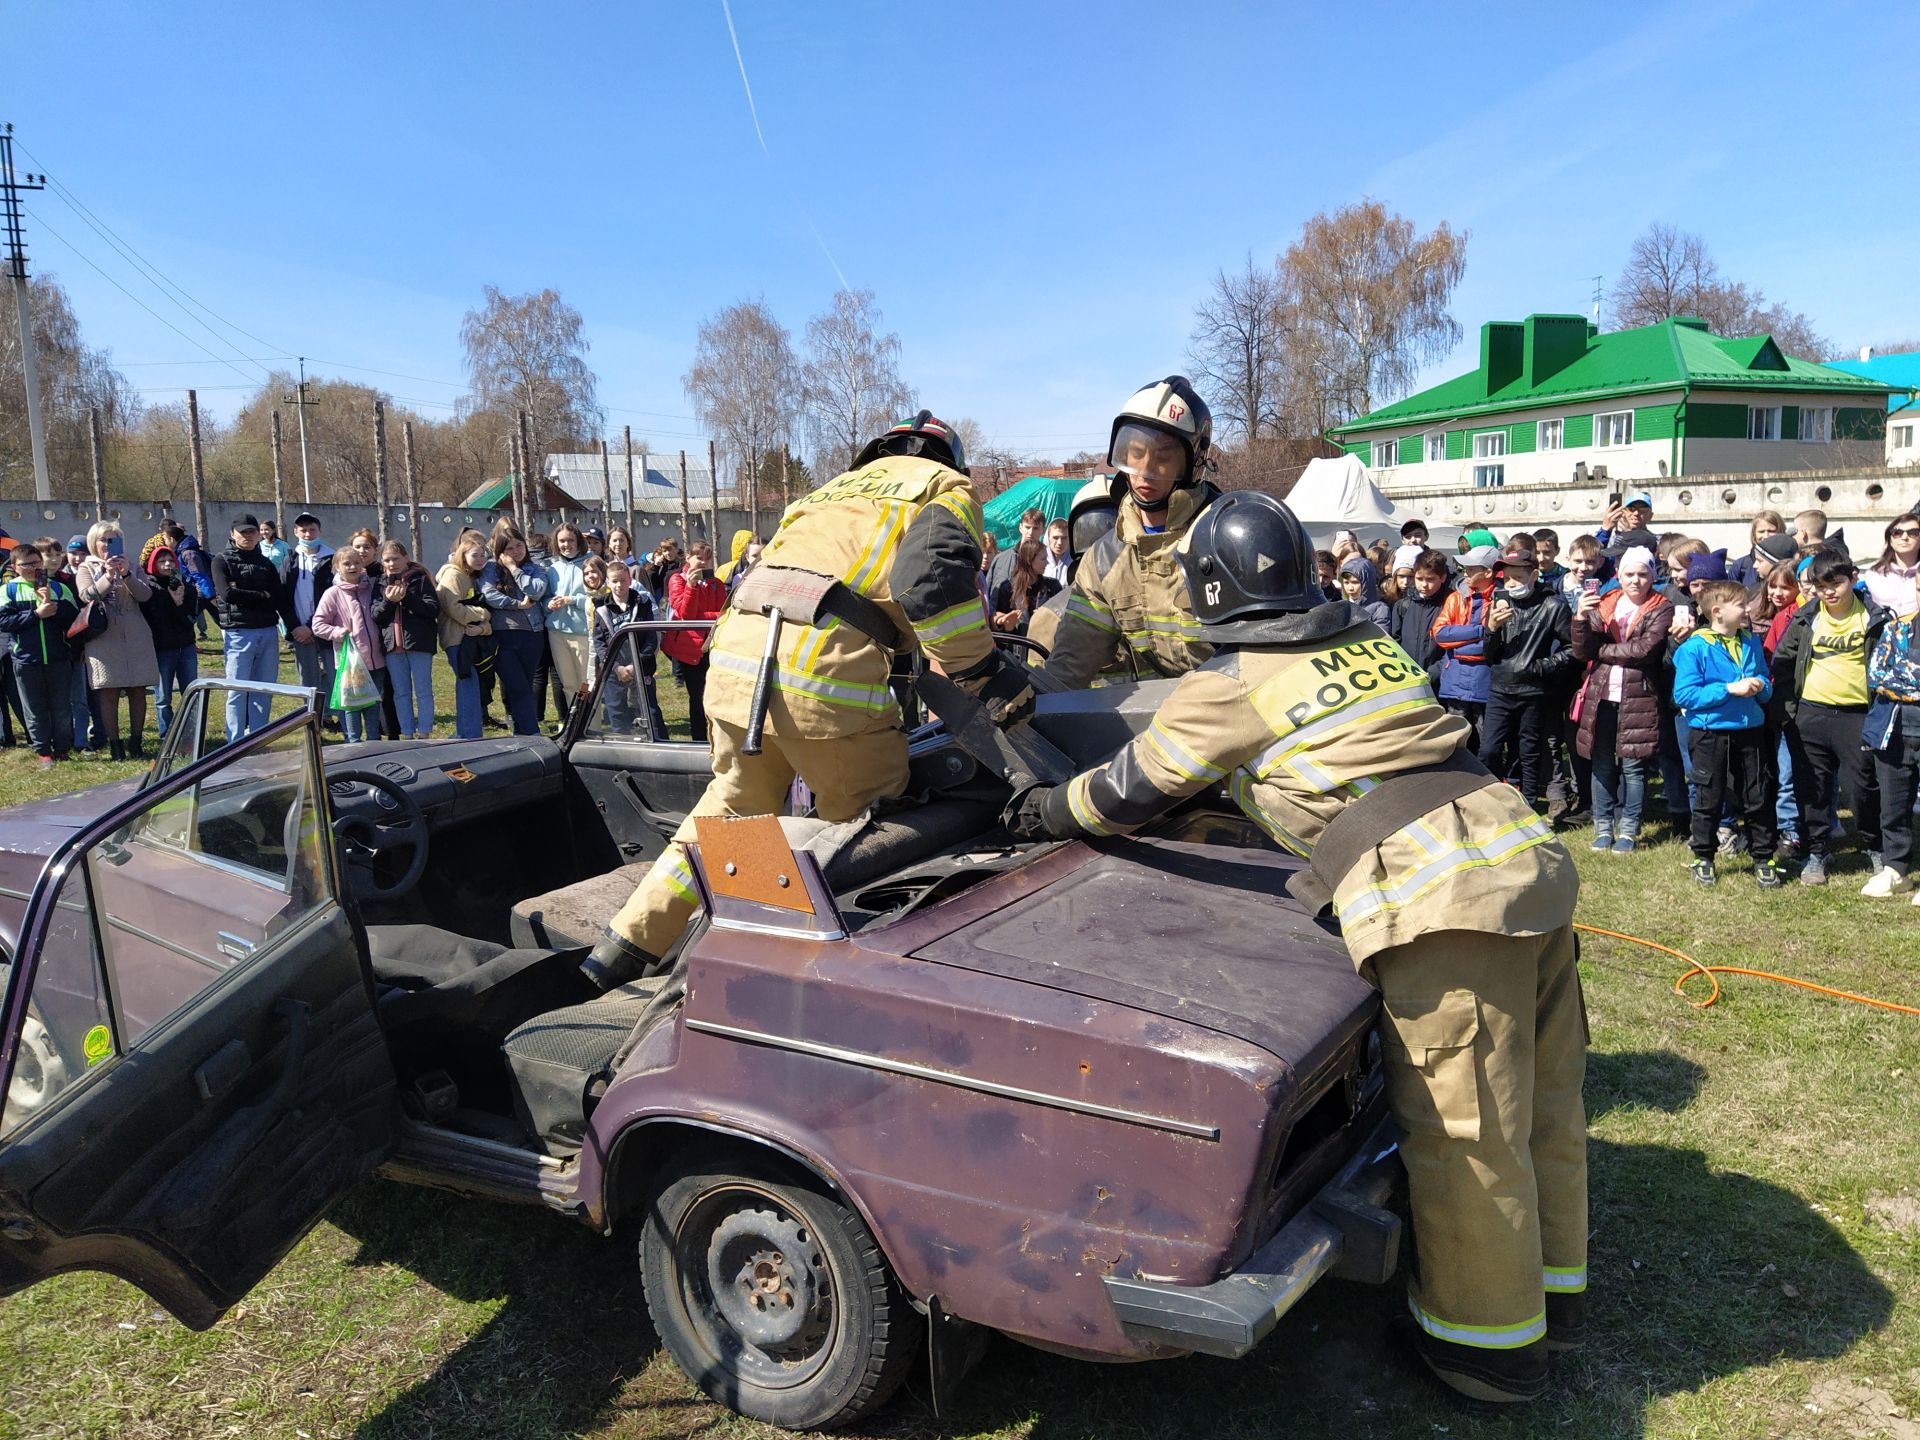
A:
(1128, 589)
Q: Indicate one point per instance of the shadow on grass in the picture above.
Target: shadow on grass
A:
(1691, 1269)
(569, 1331)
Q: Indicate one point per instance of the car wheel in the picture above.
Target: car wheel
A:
(772, 1296)
(39, 1072)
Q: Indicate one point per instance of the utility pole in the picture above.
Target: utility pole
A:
(380, 467)
(626, 435)
(686, 520)
(523, 497)
(99, 465)
(279, 480)
(299, 398)
(10, 187)
(606, 487)
(413, 485)
(713, 479)
(199, 468)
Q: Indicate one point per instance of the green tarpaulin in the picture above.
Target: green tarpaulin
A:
(1036, 492)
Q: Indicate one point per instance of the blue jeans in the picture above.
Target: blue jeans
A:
(468, 714)
(519, 656)
(1619, 785)
(81, 702)
(252, 654)
(178, 669)
(410, 672)
(1786, 810)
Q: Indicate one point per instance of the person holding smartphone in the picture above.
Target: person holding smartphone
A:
(35, 611)
(1622, 636)
(120, 660)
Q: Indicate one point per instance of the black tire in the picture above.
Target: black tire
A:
(771, 1295)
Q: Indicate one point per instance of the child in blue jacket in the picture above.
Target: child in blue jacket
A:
(1721, 682)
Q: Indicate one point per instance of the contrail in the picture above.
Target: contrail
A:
(759, 134)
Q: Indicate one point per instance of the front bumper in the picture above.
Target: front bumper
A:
(1344, 1231)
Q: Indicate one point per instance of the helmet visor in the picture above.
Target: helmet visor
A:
(1149, 452)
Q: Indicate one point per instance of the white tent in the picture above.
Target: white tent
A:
(1335, 495)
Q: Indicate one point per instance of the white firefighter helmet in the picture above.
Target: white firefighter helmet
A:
(1164, 432)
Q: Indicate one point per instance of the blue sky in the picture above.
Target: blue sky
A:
(1037, 193)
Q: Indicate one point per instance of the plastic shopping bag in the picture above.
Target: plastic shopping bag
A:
(353, 684)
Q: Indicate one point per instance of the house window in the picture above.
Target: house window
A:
(1613, 428)
(1384, 453)
(1763, 422)
(1903, 437)
(1550, 436)
(1816, 424)
(1489, 446)
(1437, 445)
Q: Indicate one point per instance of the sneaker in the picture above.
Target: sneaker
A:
(1768, 876)
(1789, 847)
(1624, 845)
(1876, 861)
(1886, 881)
(1814, 871)
(1601, 841)
(1703, 873)
(1728, 840)
(43, 762)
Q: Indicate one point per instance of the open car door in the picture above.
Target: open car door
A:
(193, 1070)
(643, 775)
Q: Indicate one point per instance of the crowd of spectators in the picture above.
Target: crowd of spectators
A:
(524, 619)
(1754, 698)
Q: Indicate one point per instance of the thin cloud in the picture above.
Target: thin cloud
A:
(761, 135)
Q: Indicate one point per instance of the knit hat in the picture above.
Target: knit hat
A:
(1779, 547)
(1477, 537)
(1710, 566)
(1406, 555)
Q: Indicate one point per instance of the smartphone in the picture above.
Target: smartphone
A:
(1590, 587)
(116, 548)
(1613, 500)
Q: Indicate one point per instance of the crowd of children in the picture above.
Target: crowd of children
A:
(1766, 694)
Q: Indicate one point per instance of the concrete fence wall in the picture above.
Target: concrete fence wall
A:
(30, 519)
(1715, 508)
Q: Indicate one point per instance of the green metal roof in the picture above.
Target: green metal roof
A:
(1666, 356)
(489, 496)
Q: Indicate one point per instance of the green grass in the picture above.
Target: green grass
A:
(1755, 1260)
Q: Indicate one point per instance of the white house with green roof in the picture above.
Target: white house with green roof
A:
(1671, 399)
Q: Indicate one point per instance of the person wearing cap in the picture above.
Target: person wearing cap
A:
(596, 539)
(306, 573)
(1746, 569)
(1414, 533)
(1460, 632)
(1627, 524)
(1529, 634)
(1129, 589)
(252, 605)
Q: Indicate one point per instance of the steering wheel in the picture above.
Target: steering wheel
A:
(363, 842)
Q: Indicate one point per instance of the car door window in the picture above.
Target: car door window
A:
(640, 695)
(191, 888)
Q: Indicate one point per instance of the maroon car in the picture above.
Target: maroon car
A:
(1114, 1099)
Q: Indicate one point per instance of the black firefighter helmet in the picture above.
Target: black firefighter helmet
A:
(922, 435)
(1248, 558)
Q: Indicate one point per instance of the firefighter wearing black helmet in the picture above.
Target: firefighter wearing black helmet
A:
(877, 562)
(1452, 895)
(1128, 589)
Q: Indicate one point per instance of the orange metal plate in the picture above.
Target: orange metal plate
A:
(748, 857)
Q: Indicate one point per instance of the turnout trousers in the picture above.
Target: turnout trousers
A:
(1485, 1052)
(847, 775)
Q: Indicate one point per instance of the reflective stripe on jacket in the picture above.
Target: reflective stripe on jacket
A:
(1299, 733)
(905, 534)
(1129, 589)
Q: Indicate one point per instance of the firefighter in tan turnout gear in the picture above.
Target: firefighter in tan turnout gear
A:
(873, 563)
(1128, 588)
(1454, 898)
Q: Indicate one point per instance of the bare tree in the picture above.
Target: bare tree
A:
(1670, 272)
(972, 438)
(528, 352)
(744, 382)
(1235, 351)
(1364, 305)
(74, 377)
(850, 384)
